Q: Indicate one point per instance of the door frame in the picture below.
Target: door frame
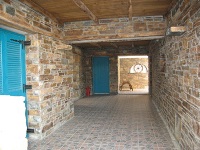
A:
(134, 56)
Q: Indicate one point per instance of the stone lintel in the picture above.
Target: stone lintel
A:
(115, 39)
(64, 47)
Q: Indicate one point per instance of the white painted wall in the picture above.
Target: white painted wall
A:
(13, 123)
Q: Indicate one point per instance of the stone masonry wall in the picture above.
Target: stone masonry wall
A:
(78, 74)
(137, 80)
(50, 71)
(50, 68)
(113, 57)
(115, 28)
(176, 75)
(17, 15)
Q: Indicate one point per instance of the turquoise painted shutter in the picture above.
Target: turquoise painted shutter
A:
(14, 69)
(14, 64)
(1, 69)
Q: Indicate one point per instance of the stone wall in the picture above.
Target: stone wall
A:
(50, 71)
(54, 72)
(176, 75)
(78, 74)
(57, 79)
(17, 15)
(115, 28)
(137, 80)
(113, 57)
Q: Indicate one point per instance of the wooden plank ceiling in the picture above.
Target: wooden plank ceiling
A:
(80, 10)
(70, 10)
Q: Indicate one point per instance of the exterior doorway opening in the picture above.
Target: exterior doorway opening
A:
(133, 75)
(100, 70)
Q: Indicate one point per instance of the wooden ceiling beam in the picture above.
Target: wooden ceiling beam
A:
(147, 35)
(39, 9)
(115, 40)
(130, 10)
(83, 7)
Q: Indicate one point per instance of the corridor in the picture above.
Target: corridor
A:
(113, 122)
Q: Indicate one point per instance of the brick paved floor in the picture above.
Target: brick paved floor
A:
(114, 122)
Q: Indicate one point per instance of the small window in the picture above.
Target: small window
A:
(138, 68)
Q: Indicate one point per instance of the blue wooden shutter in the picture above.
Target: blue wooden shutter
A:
(14, 71)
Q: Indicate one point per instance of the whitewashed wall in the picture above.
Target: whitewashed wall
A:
(13, 123)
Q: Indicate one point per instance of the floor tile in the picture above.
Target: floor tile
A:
(113, 122)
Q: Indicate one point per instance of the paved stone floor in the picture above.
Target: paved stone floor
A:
(114, 122)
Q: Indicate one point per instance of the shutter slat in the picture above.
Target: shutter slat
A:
(14, 70)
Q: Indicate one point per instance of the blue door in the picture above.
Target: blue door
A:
(12, 64)
(101, 75)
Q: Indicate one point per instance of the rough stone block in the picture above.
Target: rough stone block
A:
(33, 105)
(158, 18)
(107, 21)
(46, 71)
(33, 112)
(34, 125)
(149, 18)
(41, 26)
(42, 61)
(32, 97)
(107, 32)
(32, 69)
(10, 10)
(140, 26)
(58, 79)
(73, 32)
(46, 77)
(197, 83)
(123, 20)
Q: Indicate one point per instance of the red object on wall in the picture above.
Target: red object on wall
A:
(88, 91)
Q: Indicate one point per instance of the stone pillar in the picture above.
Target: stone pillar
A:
(50, 71)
